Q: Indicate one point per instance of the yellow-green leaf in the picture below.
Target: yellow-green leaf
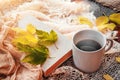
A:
(115, 18)
(36, 55)
(46, 38)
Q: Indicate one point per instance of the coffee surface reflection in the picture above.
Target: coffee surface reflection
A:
(88, 45)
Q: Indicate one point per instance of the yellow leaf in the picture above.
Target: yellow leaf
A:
(84, 20)
(31, 29)
(25, 38)
(102, 20)
(21, 33)
(115, 18)
(31, 39)
(107, 77)
(117, 59)
(109, 26)
(20, 40)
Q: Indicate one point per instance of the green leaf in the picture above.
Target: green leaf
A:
(46, 38)
(36, 55)
(35, 58)
(24, 48)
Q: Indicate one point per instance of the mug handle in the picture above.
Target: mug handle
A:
(110, 44)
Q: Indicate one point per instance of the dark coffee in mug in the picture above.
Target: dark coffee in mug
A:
(88, 45)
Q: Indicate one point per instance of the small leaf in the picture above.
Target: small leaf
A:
(117, 59)
(102, 20)
(107, 77)
(84, 20)
(115, 18)
(46, 38)
(35, 55)
(109, 26)
(35, 58)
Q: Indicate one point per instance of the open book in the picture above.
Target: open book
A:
(57, 55)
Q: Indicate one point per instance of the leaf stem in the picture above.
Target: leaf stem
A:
(104, 13)
(56, 46)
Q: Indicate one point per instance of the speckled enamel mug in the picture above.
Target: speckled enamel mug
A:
(89, 61)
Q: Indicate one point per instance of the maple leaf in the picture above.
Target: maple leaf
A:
(46, 38)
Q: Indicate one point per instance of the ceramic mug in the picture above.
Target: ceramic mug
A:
(88, 49)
